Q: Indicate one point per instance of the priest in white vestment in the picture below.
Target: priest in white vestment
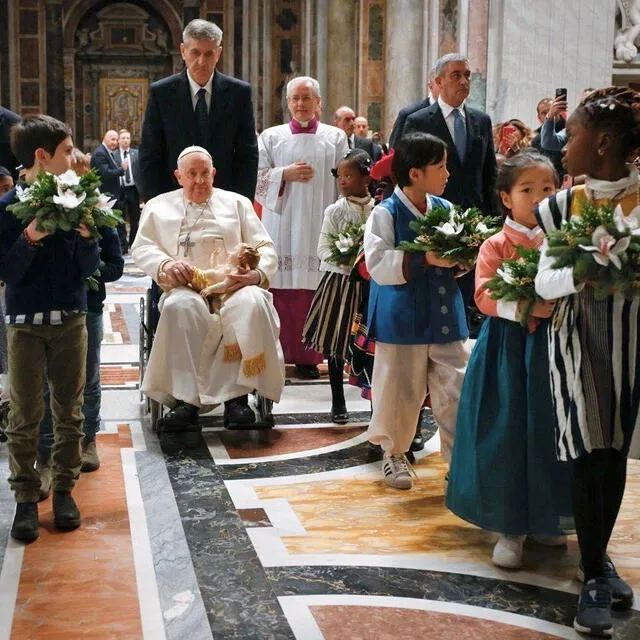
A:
(200, 359)
(295, 186)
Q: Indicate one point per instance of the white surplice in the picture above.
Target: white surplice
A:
(292, 214)
(200, 357)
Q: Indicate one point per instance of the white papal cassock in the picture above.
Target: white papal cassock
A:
(200, 357)
(293, 212)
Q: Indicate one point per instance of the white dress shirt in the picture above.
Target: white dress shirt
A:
(449, 118)
(195, 87)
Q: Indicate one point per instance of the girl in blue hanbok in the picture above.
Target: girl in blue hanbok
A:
(504, 474)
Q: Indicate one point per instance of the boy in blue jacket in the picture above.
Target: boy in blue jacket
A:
(416, 313)
(46, 307)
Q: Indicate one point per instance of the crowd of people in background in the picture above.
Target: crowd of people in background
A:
(399, 320)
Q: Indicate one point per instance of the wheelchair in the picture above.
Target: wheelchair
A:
(149, 317)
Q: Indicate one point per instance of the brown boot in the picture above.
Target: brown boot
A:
(90, 460)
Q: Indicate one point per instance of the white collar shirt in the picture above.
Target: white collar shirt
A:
(449, 117)
(194, 87)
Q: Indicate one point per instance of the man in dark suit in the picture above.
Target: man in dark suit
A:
(129, 196)
(471, 158)
(199, 106)
(110, 169)
(7, 159)
(345, 119)
(403, 114)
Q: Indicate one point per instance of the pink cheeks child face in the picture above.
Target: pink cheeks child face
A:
(532, 186)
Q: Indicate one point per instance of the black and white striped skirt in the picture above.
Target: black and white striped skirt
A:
(327, 328)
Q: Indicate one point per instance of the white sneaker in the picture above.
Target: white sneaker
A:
(508, 552)
(550, 541)
(396, 472)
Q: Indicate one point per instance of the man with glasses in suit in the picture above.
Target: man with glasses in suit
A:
(129, 195)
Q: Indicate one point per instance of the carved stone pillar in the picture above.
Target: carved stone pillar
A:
(404, 81)
(342, 58)
(55, 59)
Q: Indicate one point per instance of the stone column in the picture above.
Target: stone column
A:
(342, 60)
(322, 34)
(404, 80)
(55, 59)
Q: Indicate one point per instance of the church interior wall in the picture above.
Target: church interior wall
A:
(548, 44)
(373, 55)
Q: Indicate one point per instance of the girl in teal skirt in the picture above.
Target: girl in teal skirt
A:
(504, 475)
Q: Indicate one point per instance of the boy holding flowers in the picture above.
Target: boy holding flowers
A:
(45, 274)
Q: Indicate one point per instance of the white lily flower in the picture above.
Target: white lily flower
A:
(344, 243)
(68, 199)
(450, 228)
(24, 195)
(605, 248)
(105, 202)
(481, 227)
(505, 273)
(69, 178)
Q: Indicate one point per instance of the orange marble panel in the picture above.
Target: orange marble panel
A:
(364, 516)
(82, 583)
(118, 375)
(387, 623)
(119, 324)
(257, 444)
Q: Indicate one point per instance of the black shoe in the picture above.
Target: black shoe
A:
(25, 526)
(66, 515)
(307, 371)
(178, 418)
(417, 444)
(238, 414)
(339, 415)
(621, 592)
(594, 609)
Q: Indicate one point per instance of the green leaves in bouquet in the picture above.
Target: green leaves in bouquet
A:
(346, 245)
(601, 249)
(452, 234)
(63, 202)
(515, 280)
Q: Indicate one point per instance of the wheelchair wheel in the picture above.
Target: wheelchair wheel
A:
(155, 411)
(141, 346)
(265, 411)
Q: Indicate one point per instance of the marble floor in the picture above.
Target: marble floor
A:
(288, 533)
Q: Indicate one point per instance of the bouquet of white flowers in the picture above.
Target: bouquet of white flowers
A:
(602, 246)
(515, 280)
(346, 244)
(453, 234)
(64, 201)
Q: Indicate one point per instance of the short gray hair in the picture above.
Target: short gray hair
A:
(441, 63)
(202, 30)
(315, 85)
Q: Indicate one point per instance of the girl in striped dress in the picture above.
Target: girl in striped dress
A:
(593, 348)
(328, 325)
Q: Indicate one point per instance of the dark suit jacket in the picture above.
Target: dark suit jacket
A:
(134, 160)
(7, 159)
(170, 126)
(471, 183)
(401, 120)
(369, 146)
(109, 170)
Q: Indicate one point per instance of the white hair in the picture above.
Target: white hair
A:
(441, 63)
(202, 30)
(315, 85)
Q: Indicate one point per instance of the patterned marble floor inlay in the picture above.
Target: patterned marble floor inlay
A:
(372, 623)
(277, 534)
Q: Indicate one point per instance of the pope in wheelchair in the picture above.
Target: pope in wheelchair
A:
(206, 354)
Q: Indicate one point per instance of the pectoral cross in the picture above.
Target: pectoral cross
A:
(187, 244)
